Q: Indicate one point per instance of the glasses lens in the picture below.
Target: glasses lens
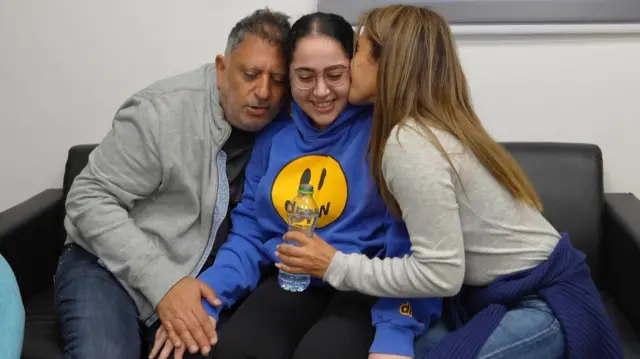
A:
(336, 78)
(307, 80)
(304, 81)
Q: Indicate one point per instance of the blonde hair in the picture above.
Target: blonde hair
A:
(420, 78)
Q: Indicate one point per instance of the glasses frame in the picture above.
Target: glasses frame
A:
(315, 80)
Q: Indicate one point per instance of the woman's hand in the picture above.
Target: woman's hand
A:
(312, 255)
(161, 342)
(387, 356)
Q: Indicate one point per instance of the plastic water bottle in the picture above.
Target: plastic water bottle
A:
(302, 215)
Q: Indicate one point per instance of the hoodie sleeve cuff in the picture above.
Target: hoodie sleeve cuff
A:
(393, 339)
(211, 310)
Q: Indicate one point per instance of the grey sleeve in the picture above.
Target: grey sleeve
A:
(124, 168)
(423, 183)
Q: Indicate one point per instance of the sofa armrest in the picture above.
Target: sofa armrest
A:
(621, 253)
(31, 238)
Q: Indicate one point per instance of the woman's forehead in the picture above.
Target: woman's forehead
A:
(319, 53)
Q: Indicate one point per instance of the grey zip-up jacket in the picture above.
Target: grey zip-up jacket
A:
(154, 192)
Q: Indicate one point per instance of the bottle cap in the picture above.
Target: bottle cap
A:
(306, 189)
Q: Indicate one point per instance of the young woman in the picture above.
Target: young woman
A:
(475, 223)
(11, 312)
(321, 141)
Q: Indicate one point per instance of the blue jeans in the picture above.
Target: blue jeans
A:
(11, 313)
(98, 318)
(529, 330)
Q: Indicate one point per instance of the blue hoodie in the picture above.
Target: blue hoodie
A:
(353, 217)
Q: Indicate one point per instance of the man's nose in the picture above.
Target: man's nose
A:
(263, 88)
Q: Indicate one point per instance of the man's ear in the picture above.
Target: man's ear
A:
(221, 66)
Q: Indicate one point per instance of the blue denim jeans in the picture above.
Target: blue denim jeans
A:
(529, 330)
(11, 313)
(98, 318)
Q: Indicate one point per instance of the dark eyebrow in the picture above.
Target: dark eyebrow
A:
(304, 69)
(334, 67)
(260, 70)
(250, 68)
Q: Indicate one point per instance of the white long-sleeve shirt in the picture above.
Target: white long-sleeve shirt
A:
(469, 231)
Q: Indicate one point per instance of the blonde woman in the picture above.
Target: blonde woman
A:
(476, 229)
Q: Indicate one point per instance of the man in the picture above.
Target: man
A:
(150, 210)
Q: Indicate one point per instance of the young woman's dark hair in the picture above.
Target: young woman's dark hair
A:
(322, 23)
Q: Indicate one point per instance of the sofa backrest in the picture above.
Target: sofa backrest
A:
(77, 159)
(568, 178)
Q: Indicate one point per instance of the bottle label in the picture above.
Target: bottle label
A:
(302, 222)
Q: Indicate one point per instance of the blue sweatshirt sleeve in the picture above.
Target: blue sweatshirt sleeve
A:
(399, 321)
(237, 266)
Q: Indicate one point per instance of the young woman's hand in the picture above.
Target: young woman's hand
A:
(310, 256)
(386, 356)
(185, 319)
(162, 342)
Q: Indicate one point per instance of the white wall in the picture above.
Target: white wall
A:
(65, 66)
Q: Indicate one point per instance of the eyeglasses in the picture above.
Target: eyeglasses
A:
(306, 80)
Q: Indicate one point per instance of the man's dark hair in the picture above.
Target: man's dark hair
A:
(272, 26)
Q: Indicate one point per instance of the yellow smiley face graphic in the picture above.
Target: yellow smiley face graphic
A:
(329, 186)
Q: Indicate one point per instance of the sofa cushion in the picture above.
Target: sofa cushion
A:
(628, 338)
(41, 331)
(76, 161)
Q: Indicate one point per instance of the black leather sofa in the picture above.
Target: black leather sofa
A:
(568, 177)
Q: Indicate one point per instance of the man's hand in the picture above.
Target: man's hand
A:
(167, 347)
(184, 318)
(385, 356)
